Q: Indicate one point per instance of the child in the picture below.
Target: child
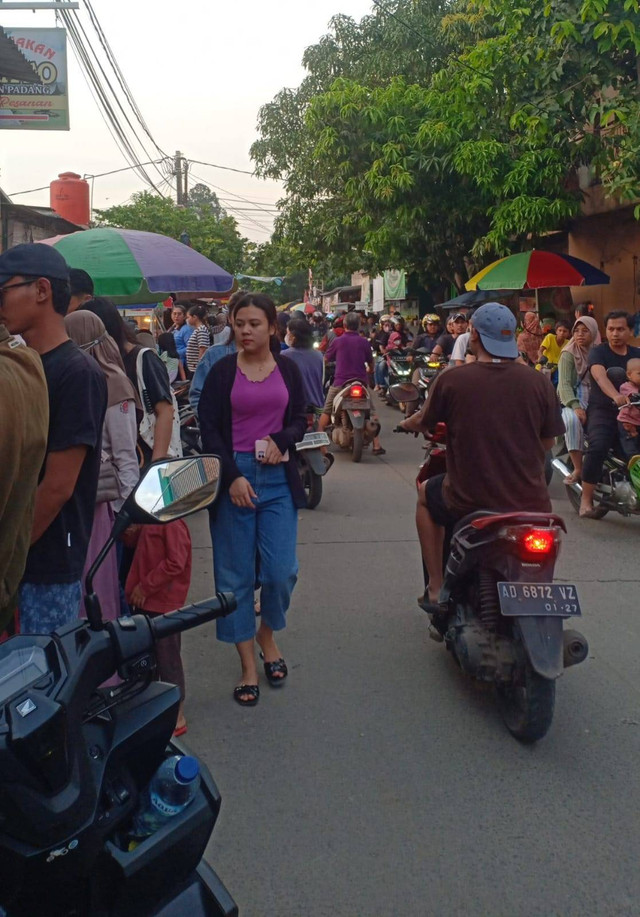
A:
(158, 582)
(629, 415)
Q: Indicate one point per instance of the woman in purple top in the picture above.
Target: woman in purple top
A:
(252, 412)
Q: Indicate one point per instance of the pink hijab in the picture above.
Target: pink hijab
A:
(581, 354)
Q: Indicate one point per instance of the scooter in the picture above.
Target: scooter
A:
(75, 757)
(351, 419)
(619, 486)
(428, 369)
(312, 464)
(500, 614)
(400, 370)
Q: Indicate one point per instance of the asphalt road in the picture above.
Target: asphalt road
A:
(380, 781)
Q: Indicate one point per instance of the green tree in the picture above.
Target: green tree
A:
(474, 156)
(205, 201)
(216, 238)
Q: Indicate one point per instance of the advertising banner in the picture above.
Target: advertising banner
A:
(33, 79)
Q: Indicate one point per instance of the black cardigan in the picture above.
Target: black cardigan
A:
(214, 411)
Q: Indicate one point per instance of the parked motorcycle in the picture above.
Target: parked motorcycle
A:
(75, 757)
(619, 486)
(500, 613)
(351, 419)
(312, 463)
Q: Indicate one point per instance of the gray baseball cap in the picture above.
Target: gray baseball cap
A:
(496, 326)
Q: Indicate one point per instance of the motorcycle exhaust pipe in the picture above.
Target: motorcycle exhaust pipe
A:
(564, 471)
(575, 648)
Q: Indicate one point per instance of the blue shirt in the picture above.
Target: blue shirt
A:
(182, 336)
(209, 358)
(311, 365)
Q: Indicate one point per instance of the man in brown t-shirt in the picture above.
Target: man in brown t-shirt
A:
(501, 417)
(24, 422)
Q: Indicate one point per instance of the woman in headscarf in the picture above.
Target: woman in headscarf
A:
(574, 382)
(119, 466)
(530, 339)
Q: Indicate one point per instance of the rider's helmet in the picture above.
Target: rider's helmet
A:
(430, 319)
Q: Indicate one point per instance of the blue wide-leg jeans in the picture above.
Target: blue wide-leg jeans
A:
(266, 534)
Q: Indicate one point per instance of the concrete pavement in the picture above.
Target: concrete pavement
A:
(380, 781)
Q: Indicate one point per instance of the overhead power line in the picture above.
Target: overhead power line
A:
(213, 165)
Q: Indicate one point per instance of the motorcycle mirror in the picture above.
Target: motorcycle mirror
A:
(405, 392)
(174, 488)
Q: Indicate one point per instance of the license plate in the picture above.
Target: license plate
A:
(541, 599)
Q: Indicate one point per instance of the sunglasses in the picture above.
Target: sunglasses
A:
(12, 286)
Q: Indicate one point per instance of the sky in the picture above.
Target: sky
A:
(199, 72)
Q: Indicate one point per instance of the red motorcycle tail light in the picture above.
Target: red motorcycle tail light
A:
(539, 541)
(357, 391)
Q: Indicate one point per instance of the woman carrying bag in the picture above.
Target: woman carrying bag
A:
(252, 412)
(119, 465)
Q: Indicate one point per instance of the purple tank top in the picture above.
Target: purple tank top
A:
(257, 409)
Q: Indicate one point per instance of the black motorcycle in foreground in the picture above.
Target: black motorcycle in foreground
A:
(75, 757)
(500, 614)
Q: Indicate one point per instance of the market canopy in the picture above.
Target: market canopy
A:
(130, 266)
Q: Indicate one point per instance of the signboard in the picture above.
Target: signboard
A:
(40, 102)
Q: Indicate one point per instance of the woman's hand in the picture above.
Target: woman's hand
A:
(242, 493)
(581, 414)
(272, 455)
(630, 428)
(137, 597)
(621, 399)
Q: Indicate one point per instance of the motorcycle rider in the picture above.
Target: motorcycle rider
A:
(501, 417)
(604, 400)
(444, 344)
(354, 360)
(431, 331)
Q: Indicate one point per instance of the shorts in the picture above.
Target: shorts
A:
(438, 508)
(331, 394)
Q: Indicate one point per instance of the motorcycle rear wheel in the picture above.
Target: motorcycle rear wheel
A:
(312, 484)
(527, 708)
(357, 445)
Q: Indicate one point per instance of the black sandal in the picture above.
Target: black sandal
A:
(270, 669)
(252, 690)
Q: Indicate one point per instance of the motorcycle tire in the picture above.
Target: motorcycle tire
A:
(527, 708)
(357, 445)
(312, 484)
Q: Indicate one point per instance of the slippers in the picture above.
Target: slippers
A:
(590, 514)
(271, 668)
(380, 451)
(252, 690)
(179, 731)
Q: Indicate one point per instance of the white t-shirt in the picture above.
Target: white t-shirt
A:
(460, 347)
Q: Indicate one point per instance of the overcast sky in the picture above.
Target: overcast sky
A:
(198, 71)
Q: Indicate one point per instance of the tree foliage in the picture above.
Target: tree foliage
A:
(449, 132)
(214, 236)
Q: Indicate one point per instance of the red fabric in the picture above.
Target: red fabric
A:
(546, 269)
(162, 566)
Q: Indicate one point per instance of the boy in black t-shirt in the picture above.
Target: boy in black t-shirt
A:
(34, 286)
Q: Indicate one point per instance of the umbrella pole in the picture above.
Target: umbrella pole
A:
(537, 304)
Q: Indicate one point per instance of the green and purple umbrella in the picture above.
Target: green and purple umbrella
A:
(130, 266)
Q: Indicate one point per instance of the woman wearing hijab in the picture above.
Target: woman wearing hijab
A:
(574, 382)
(530, 339)
(119, 466)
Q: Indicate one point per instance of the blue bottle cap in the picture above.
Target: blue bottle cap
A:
(187, 769)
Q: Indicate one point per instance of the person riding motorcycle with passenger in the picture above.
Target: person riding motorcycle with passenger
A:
(501, 418)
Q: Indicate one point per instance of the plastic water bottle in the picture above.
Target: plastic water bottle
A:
(173, 786)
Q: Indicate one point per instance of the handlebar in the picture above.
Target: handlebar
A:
(193, 615)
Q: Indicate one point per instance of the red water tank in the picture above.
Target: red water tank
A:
(70, 198)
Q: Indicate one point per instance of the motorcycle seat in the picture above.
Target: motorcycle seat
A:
(483, 518)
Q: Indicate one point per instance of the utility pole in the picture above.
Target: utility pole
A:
(185, 185)
(177, 172)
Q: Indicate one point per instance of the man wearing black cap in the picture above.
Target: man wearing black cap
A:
(34, 290)
(81, 288)
(501, 417)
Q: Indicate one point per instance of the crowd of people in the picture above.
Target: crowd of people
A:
(88, 403)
